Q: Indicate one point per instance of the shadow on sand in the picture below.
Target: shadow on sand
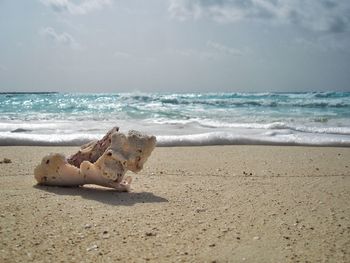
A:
(104, 195)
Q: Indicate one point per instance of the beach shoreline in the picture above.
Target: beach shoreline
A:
(191, 204)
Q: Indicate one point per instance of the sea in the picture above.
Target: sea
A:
(178, 119)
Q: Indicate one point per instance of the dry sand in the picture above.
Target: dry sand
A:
(190, 204)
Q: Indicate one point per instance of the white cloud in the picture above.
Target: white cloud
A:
(183, 9)
(122, 55)
(224, 49)
(330, 16)
(222, 10)
(212, 51)
(324, 43)
(81, 8)
(61, 39)
(192, 53)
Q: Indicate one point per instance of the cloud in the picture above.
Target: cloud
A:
(321, 16)
(224, 49)
(193, 53)
(329, 16)
(64, 38)
(324, 43)
(225, 11)
(211, 51)
(122, 55)
(81, 8)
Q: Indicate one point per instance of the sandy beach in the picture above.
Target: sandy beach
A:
(189, 204)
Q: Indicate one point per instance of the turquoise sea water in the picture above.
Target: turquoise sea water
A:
(319, 118)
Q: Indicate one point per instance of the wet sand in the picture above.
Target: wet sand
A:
(189, 204)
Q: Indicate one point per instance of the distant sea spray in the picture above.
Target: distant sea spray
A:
(178, 119)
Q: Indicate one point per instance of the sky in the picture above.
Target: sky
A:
(174, 45)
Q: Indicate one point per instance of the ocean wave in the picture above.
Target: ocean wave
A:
(237, 137)
(318, 100)
(140, 106)
(212, 124)
(302, 128)
(224, 138)
(23, 139)
(245, 117)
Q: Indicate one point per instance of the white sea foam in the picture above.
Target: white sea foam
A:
(233, 136)
(224, 138)
(23, 139)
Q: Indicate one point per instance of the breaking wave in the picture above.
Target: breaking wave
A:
(178, 119)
